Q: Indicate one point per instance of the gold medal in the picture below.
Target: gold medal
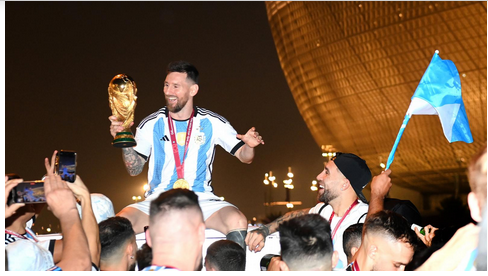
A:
(181, 184)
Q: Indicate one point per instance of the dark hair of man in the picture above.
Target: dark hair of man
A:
(305, 238)
(184, 67)
(115, 233)
(174, 199)
(144, 256)
(225, 255)
(391, 225)
(352, 238)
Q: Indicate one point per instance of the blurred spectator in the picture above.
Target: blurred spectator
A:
(24, 252)
(118, 244)
(306, 245)
(480, 261)
(176, 231)
(102, 207)
(477, 182)
(144, 257)
(405, 208)
(388, 244)
(352, 240)
(460, 252)
(225, 255)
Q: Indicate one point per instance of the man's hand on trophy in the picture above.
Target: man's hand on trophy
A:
(116, 126)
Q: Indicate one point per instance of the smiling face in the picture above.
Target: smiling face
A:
(178, 91)
(329, 182)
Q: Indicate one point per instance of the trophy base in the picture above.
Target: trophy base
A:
(124, 140)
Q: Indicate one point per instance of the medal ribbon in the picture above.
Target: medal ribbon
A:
(28, 235)
(180, 170)
(355, 266)
(343, 217)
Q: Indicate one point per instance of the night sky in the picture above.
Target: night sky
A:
(60, 57)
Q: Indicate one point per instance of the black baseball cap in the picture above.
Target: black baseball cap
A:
(354, 168)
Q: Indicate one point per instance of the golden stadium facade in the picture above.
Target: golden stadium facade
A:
(353, 67)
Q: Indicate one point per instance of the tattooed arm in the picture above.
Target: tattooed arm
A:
(133, 161)
(255, 239)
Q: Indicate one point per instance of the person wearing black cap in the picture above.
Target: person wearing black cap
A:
(341, 201)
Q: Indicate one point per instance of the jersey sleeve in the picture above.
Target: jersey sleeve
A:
(226, 137)
(143, 138)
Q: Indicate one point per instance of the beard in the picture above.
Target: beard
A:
(327, 196)
(180, 103)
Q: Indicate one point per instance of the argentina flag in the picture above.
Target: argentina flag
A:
(439, 93)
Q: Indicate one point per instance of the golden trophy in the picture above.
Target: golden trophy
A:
(122, 97)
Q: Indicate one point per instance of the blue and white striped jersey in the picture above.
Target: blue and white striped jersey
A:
(154, 142)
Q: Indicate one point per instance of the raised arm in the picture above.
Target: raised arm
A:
(60, 199)
(88, 220)
(255, 239)
(380, 186)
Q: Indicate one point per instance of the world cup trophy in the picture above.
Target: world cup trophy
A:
(122, 97)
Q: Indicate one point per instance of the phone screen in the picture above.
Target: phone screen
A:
(28, 192)
(66, 165)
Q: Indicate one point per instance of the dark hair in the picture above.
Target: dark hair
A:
(392, 225)
(305, 238)
(184, 67)
(352, 238)
(174, 199)
(115, 233)
(144, 257)
(226, 255)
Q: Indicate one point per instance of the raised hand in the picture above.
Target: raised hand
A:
(116, 126)
(9, 185)
(251, 138)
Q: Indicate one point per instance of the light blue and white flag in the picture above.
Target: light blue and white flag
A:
(439, 93)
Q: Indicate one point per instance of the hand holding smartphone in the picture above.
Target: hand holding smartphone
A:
(28, 192)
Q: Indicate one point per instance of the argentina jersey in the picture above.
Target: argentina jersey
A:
(154, 142)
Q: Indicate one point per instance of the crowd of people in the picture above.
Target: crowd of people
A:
(343, 231)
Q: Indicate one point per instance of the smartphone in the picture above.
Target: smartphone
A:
(66, 165)
(28, 192)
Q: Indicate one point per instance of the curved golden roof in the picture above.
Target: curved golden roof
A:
(353, 67)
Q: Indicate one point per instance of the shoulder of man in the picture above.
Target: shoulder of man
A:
(18, 252)
(210, 114)
(152, 117)
(321, 209)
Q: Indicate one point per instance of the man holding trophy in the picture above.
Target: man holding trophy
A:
(179, 141)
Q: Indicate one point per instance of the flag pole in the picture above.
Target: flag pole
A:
(395, 145)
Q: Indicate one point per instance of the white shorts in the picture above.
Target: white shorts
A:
(209, 203)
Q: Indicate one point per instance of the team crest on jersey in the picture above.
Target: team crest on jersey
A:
(200, 138)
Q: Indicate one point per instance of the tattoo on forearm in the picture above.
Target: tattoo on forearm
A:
(273, 226)
(133, 162)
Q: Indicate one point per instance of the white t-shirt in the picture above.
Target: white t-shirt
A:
(27, 253)
(356, 215)
(154, 141)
